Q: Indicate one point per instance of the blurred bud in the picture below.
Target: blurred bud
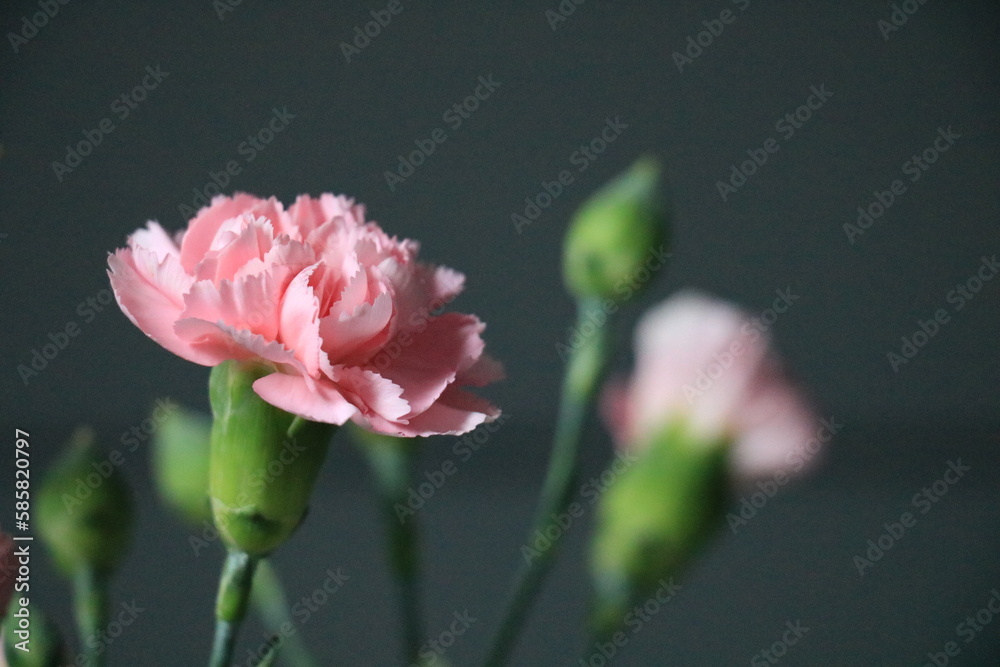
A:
(708, 398)
(264, 462)
(651, 519)
(617, 235)
(180, 464)
(32, 640)
(704, 363)
(85, 508)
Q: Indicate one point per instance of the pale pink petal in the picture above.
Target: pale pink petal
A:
(251, 242)
(300, 325)
(156, 240)
(219, 342)
(701, 362)
(318, 401)
(370, 392)
(204, 226)
(153, 298)
(273, 211)
(250, 304)
(354, 336)
(432, 359)
(773, 423)
(284, 260)
(455, 413)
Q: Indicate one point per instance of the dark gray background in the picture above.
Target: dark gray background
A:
(783, 229)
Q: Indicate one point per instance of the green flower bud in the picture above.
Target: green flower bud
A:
(264, 462)
(618, 231)
(180, 464)
(85, 508)
(37, 633)
(652, 519)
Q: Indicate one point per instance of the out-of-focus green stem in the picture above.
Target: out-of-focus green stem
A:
(231, 605)
(90, 599)
(586, 367)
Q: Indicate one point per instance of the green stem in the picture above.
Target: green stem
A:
(269, 599)
(90, 597)
(585, 370)
(392, 460)
(231, 605)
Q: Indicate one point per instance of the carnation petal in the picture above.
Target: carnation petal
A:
(371, 393)
(318, 401)
(299, 321)
(219, 342)
(353, 337)
(156, 240)
(250, 304)
(434, 357)
(204, 226)
(456, 412)
(153, 299)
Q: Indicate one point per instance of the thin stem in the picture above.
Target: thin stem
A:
(392, 460)
(90, 597)
(231, 605)
(585, 370)
(269, 599)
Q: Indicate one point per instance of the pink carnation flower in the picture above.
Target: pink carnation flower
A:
(344, 314)
(703, 362)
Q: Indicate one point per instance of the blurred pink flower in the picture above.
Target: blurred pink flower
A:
(344, 314)
(8, 568)
(705, 363)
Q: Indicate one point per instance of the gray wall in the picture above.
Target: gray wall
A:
(782, 229)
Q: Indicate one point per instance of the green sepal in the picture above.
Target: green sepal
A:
(264, 462)
(653, 518)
